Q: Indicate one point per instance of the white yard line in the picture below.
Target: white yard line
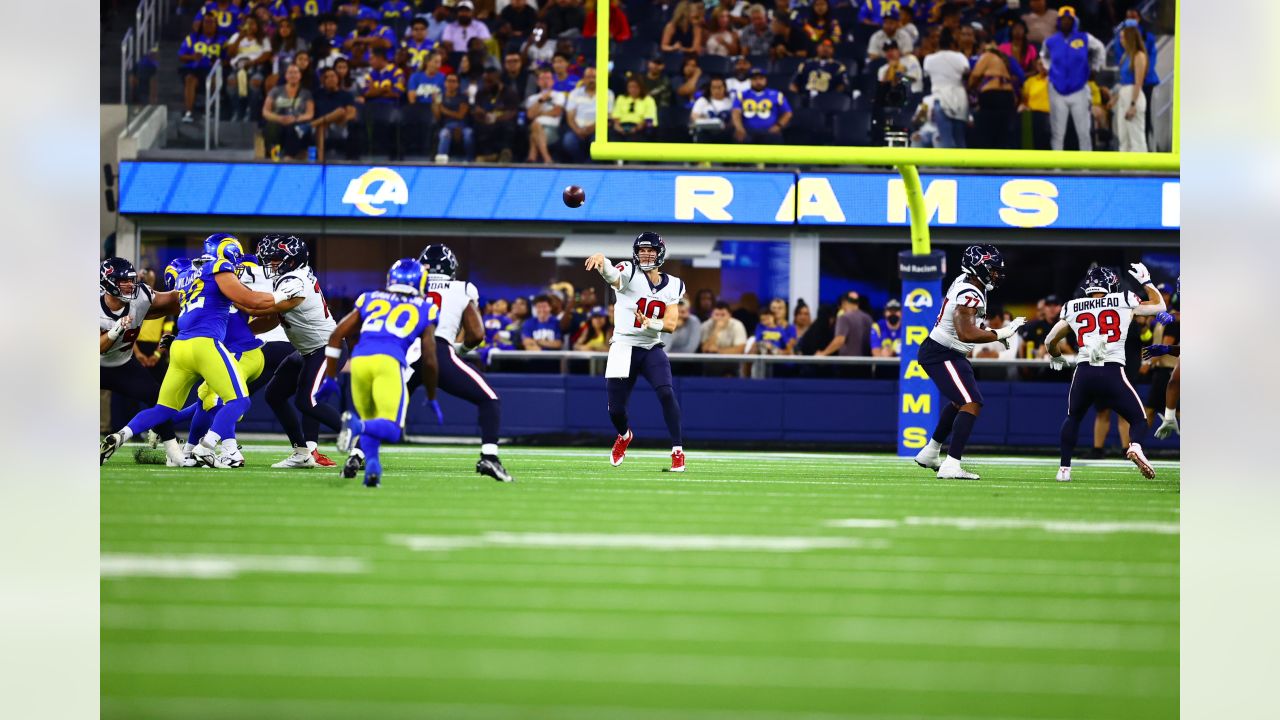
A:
(624, 541)
(1084, 527)
(222, 567)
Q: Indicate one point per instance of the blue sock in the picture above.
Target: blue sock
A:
(382, 430)
(186, 413)
(370, 444)
(201, 421)
(224, 423)
(150, 418)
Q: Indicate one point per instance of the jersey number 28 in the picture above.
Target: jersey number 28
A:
(1106, 322)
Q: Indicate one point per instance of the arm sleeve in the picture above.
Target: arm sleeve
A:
(473, 294)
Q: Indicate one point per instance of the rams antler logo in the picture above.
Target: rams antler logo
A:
(918, 299)
(391, 189)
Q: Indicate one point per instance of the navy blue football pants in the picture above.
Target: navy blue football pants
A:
(655, 366)
(1107, 387)
(464, 382)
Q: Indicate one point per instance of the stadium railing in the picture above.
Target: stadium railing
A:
(212, 105)
(140, 38)
(596, 360)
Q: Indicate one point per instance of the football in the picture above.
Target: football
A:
(574, 196)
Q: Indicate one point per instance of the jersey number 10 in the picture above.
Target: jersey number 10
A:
(650, 309)
(1107, 322)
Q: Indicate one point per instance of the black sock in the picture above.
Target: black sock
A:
(946, 419)
(1067, 439)
(960, 436)
(490, 412)
(671, 413)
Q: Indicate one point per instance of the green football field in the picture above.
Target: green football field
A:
(754, 586)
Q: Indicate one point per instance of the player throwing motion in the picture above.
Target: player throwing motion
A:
(1100, 322)
(648, 304)
(944, 356)
(308, 325)
(198, 352)
(122, 306)
(389, 321)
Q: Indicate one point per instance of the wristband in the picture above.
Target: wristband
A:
(114, 333)
(278, 297)
(655, 324)
(332, 352)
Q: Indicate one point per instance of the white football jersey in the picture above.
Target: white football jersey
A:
(637, 293)
(960, 294)
(309, 325)
(1101, 325)
(255, 279)
(122, 349)
(452, 297)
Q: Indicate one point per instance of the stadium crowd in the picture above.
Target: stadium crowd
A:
(507, 80)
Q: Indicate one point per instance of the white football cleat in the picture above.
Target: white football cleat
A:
(951, 470)
(1134, 453)
(301, 458)
(1168, 426)
(1064, 474)
(233, 459)
(206, 457)
(185, 461)
(929, 459)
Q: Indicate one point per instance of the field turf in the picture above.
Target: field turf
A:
(753, 587)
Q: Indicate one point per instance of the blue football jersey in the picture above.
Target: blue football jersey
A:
(205, 310)
(391, 322)
(761, 110)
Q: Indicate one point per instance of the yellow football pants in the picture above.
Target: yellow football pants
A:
(377, 388)
(197, 359)
(251, 364)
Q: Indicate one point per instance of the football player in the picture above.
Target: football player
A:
(944, 356)
(122, 306)
(1168, 421)
(647, 306)
(308, 324)
(1100, 323)
(389, 321)
(198, 353)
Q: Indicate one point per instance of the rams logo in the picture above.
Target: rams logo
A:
(391, 189)
(919, 299)
(1077, 44)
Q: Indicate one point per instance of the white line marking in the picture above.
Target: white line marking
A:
(863, 523)
(435, 543)
(1059, 526)
(222, 567)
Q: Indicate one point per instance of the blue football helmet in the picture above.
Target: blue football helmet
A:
(648, 240)
(282, 254)
(1101, 279)
(174, 271)
(115, 271)
(406, 277)
(985, 263)
(438, 259)
(221, 246)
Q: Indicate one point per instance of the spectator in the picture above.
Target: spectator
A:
(285, 45)
(437, 21)
(564, 18)
(788, 41)
(494, 118)
(452, 117)
(683, 33)
(802, 320)
(541, 332)
(778, 307)
(514, 75)
(309, 77)
(634, 115)
(852, 330)
(713, 113)
(384, 89)
(369, 38)
(874, 12)
(823, 75)
(906, 17)
(519, 18)
(821, 25)
(428, 83)
(460, 31)
(415, 49)
(250, 57)
(1134, 18)
(898, 82)
(890, 29)
(771, 337)
(496, 322)
(691, 80)
(198, 52)
(967, 43)
(326, 48)
(993, 79)
(226, 15)
(723, 334)
(335, 109)
(538, 48)
(704, 302)
(562, 80)
(1101, 103)
(576, 320)
(1035, 98)
(1067, 53)
(656, 83)
(345, 81)
(1129, 102)
(741, 78)
(1041, 21)
(598, 332)
(580, 117)
(821, 330)
(393, 10)
(996, 348)
(687, 337)
(947, 70)
(757, 37)
(898, 65)
(886, 334)
(1019, 47)
(288, 110)
(619, 26)
(544, 109)
(723, 39)
(472, 66)
(761, 113)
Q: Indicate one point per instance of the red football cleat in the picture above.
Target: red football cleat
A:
(322, 460)
(677, 461)
(620, 448)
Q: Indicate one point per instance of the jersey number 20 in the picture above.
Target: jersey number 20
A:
(1107, 322)
(399, 321)
(650, 309)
